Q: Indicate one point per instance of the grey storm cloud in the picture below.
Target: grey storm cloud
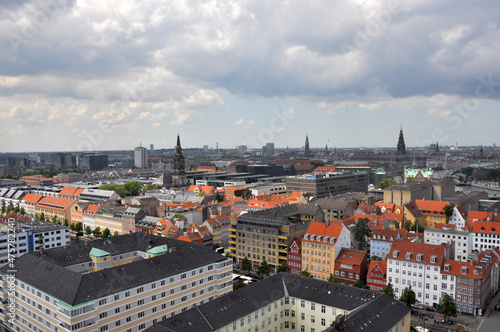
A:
(288, 48)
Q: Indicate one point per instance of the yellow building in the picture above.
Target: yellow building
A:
(55, 207)
(320, 247)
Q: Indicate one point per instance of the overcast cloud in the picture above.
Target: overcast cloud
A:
(218, 71)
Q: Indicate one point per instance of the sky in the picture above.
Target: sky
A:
(104, 75)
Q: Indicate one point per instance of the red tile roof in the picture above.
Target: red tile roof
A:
(351, 257)
(378, 267)
(427, 206)
(320, 228)
(455, 268)
(486, 227)
(483, 215)
(55, 203)
(427, 251)
(32, 199)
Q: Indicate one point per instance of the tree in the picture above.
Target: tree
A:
(22, 211)
(88, 230)
(66, 222)
(461, 178)
(42, 216)
(97, 231)
(263, 269)
(228, 255)
(116, 233)
(219, 198)
(245, 264)
(361, 232)
(16, 209)
(384, 183)
(408, 297)
(179, 216)
(448, 211)
(389, 290)
(54, 219)
(360, 284)
(447, 306)
(282, 268)
(78, 226)
(133, 188)
(3, 209)
(375, 258)
(306, 273)
(239, 284)
(331, 278)
(468, 171)
(106, 233)
(149, 187)
(72, 227)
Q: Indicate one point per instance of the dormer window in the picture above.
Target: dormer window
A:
(419, 257)
(384, 237)
(313, 237)
(395, 253)
(306, 237)
(326, 239)
(392, 238)
(320, 237)
(408, 255)
(332, 240)
(433, 258)
(464, 270)
(447, 267)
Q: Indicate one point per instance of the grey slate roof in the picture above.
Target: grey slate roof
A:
(48, 274)
(363, 304)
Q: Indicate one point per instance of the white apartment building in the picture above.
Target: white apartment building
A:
(463, 240)
(22, 238)
(417, 265)
(486, 234)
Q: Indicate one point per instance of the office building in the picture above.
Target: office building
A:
(141, 157)
(328, 184)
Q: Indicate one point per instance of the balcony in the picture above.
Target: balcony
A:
(283, 244)
(232, 235)
(232, 242)
(283, 237)
(283, 251)
(232, 230)
(232, 248)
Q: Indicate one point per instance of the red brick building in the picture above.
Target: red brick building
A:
(350, 266)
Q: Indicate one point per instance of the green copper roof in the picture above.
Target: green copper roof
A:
(158, 250)
(98, 253)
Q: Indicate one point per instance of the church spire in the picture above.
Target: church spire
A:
(306, 150)
(401, 143)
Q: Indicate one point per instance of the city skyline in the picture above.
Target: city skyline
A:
(82, 76)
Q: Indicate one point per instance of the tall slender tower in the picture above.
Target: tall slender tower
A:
(401, 143)
(179, 174)
(307, 146)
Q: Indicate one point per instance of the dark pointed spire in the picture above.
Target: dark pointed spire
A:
(401, 143)
(178, 140)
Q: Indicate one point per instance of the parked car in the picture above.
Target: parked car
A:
(253, 275)
(425, 314)
(419, 306)
(430, 308)
(497, 307)
(414, 312)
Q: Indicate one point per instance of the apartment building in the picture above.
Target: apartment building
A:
(381, 241)
(267, 234)
(486, 234)
(432, 211)
(55, 207)
(28, 203)
(376, 279)
(351, 266)
(88, 216)
(30, 237)
(295, 257)
(286, 302)
(446, 234)
(123, 284)
(321, 245)
(418, 265)
(219, 227)
(110, 217)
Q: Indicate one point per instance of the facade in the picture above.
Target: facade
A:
(447, 234)
(382, 239)
(28, 203)
(428, 190)
(351, 266)
(110, 217)
(458, 218)
(486, 235)
(91, 195)
(55, 207)
(295, 257)
(328, 184)
(37, 180)
(141, 157)
(267, 234)
(30, 237)
(337, 209)
(376, 279)
(285, 302)
(98, 162)
(321, 245)
(219, 227)
(417, 174)
(88, 295)
(432, 211)
(88, 216)
(129, 219)
(417, 265)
